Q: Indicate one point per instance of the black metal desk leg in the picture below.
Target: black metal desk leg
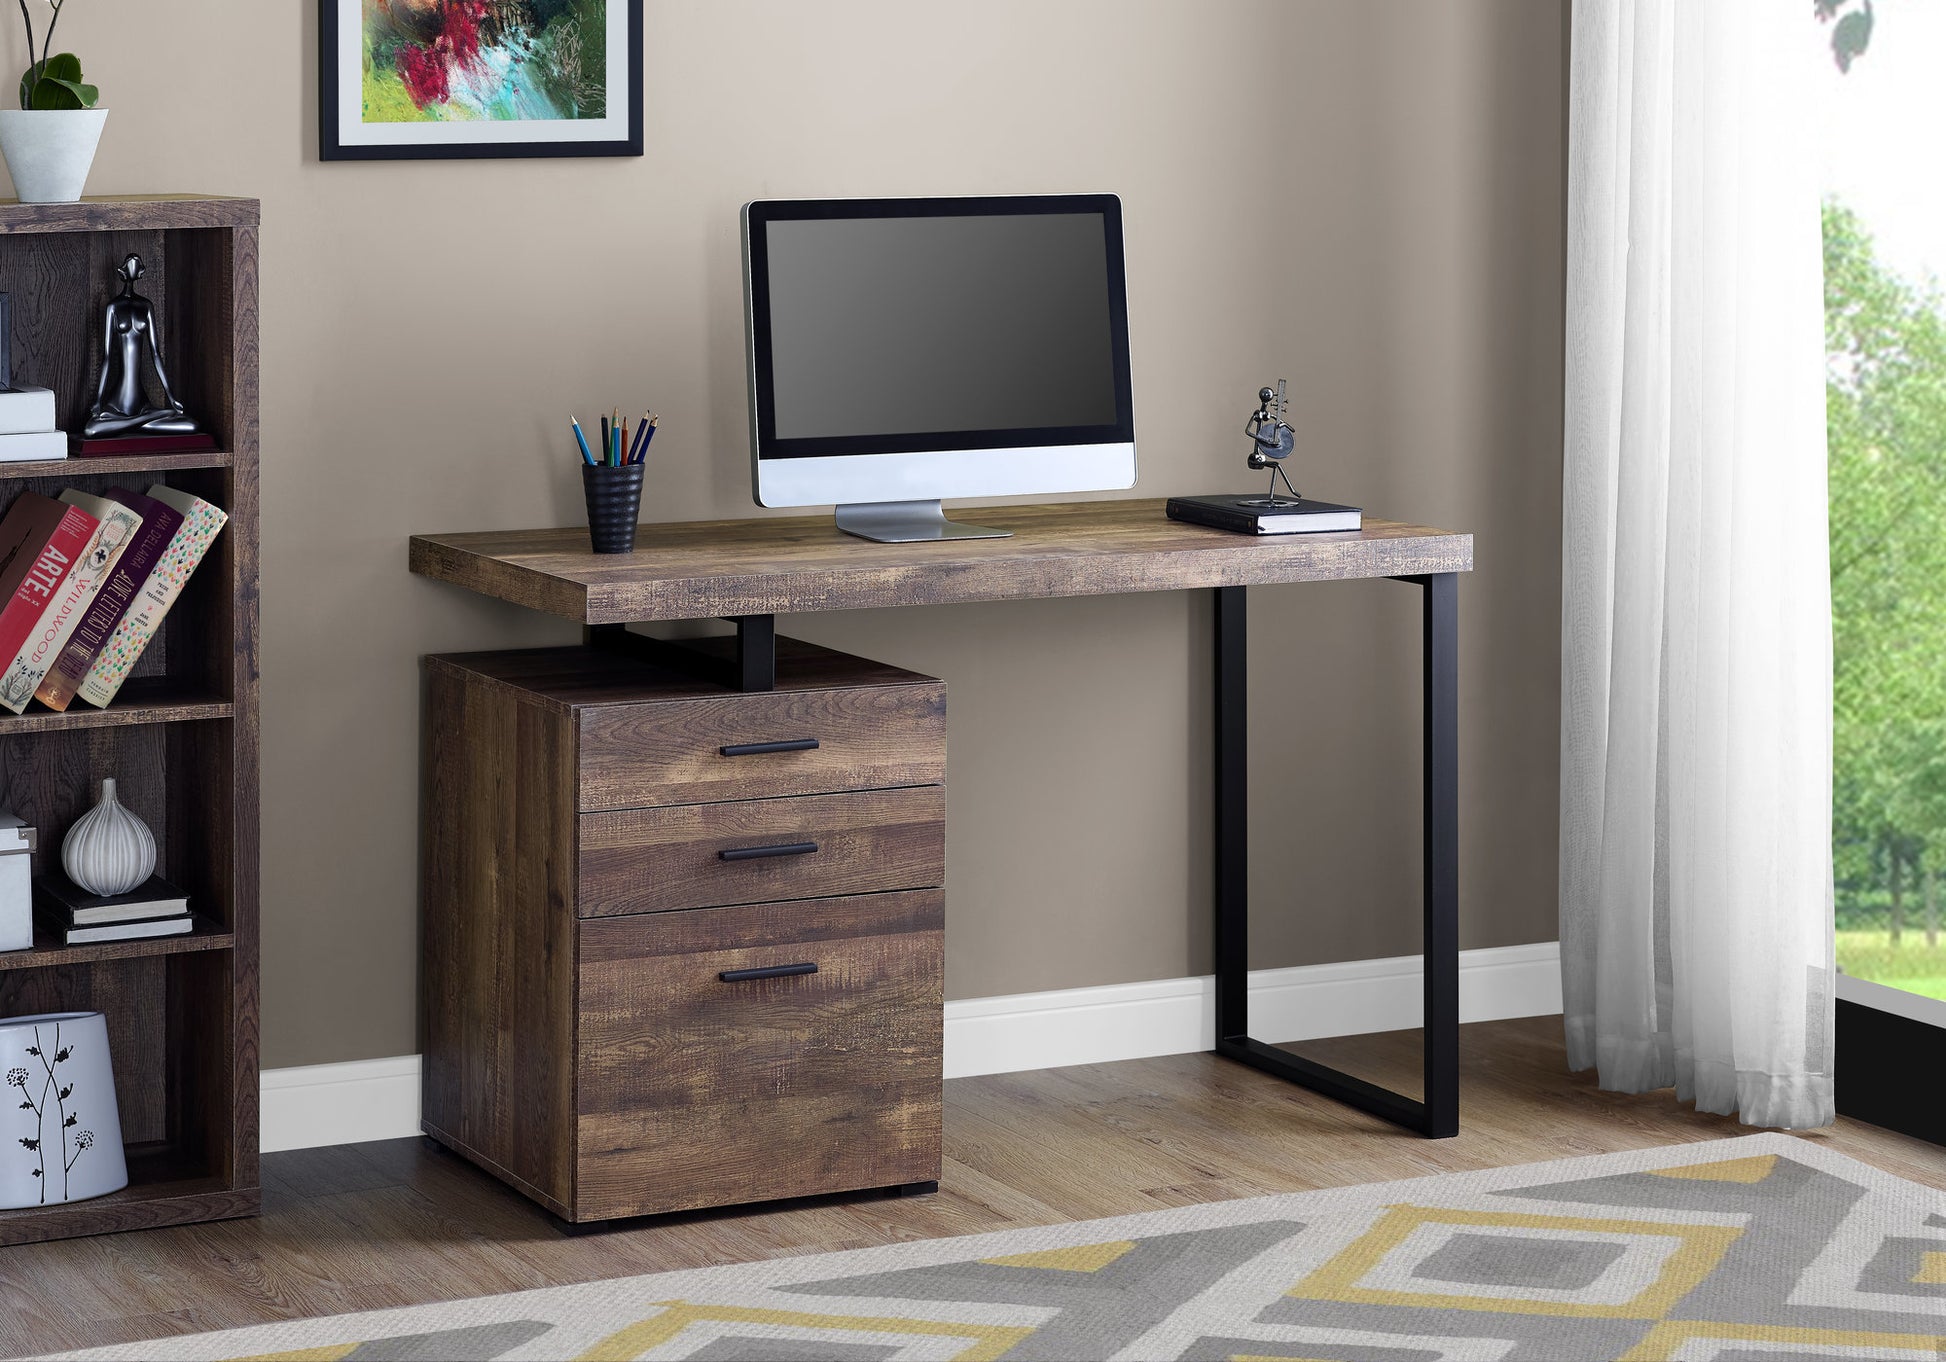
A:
(1232, 817)
(1440, 736)
(1438, 1115)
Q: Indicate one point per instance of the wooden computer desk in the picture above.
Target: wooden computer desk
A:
(750, 571)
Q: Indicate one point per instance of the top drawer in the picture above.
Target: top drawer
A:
(757, 745)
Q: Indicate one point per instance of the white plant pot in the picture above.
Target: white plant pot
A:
(49, 151)
(62, 1132)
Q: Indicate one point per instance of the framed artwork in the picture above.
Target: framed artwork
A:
(422, 79)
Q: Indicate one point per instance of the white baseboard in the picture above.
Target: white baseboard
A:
(378, 1099)
(318, 1104)
(1178, 1016)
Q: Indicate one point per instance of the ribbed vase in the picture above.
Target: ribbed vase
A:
(109, 851)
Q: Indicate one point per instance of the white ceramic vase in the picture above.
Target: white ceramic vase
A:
(49, 151)
(62, 1131)
(109, 850)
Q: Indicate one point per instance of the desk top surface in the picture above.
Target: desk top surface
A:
(702, 569)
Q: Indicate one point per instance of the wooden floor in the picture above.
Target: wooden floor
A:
(369, 1226)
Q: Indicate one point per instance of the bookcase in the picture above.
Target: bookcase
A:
(181, 737)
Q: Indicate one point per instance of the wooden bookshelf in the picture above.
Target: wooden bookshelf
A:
(181, 738)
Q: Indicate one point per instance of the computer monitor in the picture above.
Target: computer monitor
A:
(904, 350)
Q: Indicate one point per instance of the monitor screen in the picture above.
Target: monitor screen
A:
(886, 326)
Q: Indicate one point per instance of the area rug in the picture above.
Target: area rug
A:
(1758, 1249)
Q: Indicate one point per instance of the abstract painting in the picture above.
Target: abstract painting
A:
(440, 78)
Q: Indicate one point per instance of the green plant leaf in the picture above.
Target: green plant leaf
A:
(56, 84)
(50, 93)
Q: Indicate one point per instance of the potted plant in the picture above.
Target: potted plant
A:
(49, 141)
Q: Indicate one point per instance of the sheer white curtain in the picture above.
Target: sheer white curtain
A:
(1696, 612)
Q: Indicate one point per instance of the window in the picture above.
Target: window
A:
(1885, 326)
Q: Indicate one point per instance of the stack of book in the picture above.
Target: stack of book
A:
(74, 917)
(27, 426)
(85, 582)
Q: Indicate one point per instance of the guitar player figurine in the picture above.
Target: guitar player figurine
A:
(1271, 441)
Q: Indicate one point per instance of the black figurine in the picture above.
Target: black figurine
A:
(1271, 441)
(130, 346)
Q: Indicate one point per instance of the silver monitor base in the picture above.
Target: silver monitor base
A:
(908, 522)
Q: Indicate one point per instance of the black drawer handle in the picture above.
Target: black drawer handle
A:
(737, 976)
(757, 749)
(762, 853)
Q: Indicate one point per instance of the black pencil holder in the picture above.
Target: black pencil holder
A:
(614, 505)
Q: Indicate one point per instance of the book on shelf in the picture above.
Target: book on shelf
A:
(1247, 514)
(201, 522)
(31, 445)
(180, 925)
(115, 526)
(159, 525)
(30, 411)
(59, 900)
(40, 541)
(112, 445)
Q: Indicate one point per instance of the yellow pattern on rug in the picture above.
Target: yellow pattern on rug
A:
(1665, 1341)
(1728, 1170)
(1085, 1258)
(985, 1341)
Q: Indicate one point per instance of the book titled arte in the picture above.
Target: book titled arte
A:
(40, 540)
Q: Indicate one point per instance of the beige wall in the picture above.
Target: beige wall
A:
(1364, 198)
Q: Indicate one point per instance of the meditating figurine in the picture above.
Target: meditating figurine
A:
(130, 346)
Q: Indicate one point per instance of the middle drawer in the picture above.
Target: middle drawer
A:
(761, 850)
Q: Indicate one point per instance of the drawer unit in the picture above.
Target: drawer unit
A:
(683, 945)
(763, 1051)
(803, 846)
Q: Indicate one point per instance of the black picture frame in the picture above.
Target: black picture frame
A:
(332, 148)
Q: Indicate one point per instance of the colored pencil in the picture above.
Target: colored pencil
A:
(582, 440)
(604, 440)
(641, 432)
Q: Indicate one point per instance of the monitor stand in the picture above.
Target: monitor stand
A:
(908, 522)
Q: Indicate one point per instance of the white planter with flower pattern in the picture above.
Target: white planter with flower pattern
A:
(60, 1132)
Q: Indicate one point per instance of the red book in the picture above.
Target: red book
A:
(139, 444)
(40, 539)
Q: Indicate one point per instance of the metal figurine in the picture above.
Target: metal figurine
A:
(130, 347)
(1271, 441)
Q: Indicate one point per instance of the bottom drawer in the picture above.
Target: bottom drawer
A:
(696, 1089)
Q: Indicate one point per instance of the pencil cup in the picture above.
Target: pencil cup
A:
(614, 505)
